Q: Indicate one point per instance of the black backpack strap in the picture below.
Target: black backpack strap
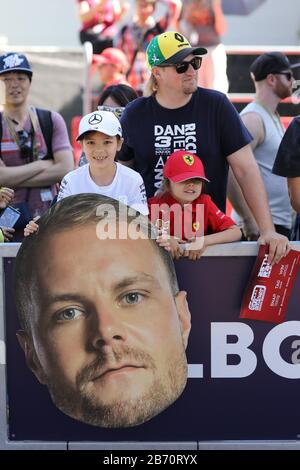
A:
(46, 123)
(45, 120)
(0, 133)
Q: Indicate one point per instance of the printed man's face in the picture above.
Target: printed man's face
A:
(108, 338)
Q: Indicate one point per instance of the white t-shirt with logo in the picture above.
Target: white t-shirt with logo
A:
(127, 187)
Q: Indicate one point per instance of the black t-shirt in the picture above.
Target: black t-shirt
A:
(287, 162)
(208, 126)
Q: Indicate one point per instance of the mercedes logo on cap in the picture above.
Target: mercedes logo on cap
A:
(95, 119)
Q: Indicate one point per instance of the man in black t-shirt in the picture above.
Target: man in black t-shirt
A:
(177, 115)
(287, 164)
(287, 161)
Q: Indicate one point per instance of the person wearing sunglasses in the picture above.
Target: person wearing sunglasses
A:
(273, 80)
(176, 114)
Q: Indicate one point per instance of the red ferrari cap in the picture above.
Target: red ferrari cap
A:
(182, 165)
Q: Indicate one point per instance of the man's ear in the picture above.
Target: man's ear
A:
(184, 315)
(155, 72)
(271, 79)
(32, 360)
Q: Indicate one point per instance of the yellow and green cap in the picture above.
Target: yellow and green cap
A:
(171, 48)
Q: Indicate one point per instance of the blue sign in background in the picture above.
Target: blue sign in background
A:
(261, 406)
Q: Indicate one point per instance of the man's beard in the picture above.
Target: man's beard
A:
(283, 91)
(189, 88)
(84, 406)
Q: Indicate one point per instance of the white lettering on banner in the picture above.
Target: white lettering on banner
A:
(195, 371)
(220, 349)
(296, 355)
(2, 352)
(271, 350)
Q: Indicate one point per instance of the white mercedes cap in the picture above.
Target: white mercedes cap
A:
(100, 121)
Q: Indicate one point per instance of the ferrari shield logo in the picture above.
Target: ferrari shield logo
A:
(196, 226)
(188, 159)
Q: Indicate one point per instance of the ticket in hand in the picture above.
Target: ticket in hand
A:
(270, 287)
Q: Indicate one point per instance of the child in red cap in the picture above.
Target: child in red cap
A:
(181, 210)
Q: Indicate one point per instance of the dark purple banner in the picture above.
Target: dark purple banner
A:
(243, 375)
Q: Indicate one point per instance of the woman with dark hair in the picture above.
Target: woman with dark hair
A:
(117, 95)
(114, 98)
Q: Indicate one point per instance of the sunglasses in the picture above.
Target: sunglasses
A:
(183, 66)
(25, 144)
(288, 75)
(117, 110)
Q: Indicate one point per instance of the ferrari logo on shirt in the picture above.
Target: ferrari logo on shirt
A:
(196, 226)
(188, 159)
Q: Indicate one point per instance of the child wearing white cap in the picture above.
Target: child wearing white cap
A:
(100, 135)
